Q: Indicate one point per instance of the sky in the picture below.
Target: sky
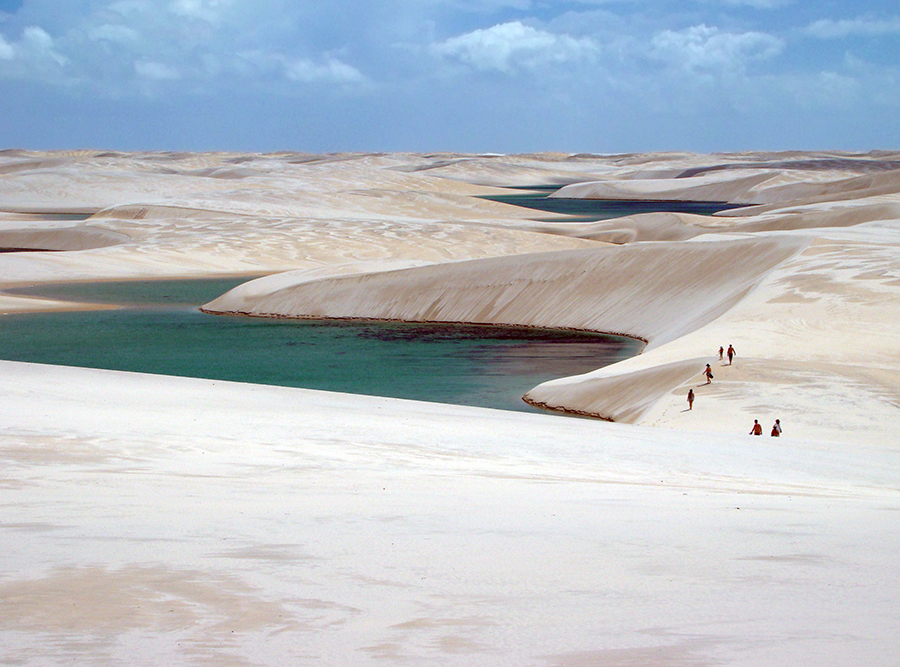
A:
(506, 76)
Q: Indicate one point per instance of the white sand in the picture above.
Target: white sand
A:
(155, 520)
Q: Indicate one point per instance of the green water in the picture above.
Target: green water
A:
(163, 332)
(590, 210)
(137, 292)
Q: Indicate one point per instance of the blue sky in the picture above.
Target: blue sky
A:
(450, 75)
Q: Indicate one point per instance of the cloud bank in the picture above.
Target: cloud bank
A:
(641, 66)
(513, 46)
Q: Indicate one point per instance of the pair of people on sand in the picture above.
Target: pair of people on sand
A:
(690, 397)
(757, 428)
(731, 352)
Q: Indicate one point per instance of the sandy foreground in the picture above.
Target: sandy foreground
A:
(157, 520)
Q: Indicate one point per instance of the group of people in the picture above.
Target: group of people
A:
(708, 374)
(758, 429)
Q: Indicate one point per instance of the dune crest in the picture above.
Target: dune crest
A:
(60, 239)
(642, 291)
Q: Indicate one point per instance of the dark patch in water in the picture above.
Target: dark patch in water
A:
(28, 250)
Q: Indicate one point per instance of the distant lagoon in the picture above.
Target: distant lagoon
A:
(590, 210)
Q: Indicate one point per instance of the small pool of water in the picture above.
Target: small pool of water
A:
(163, 332)
(591, 210)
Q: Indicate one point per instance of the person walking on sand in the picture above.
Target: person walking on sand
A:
(690, 399)
(708, 373)
(721, 352)
(776, 428)
(757, 428)
(731, 353)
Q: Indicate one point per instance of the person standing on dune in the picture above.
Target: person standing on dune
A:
(731, 353)
(690, 399)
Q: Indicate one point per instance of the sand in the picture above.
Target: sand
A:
(150, 520)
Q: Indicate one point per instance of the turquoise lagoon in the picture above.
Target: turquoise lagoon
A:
(161, 330)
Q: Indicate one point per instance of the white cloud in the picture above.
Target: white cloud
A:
(154, 71)
(34, 52)
(38, 44)
(508, 47)
(707, 48)
(113, 33)
(7, 52)
(829, 28)
(128, 9)
(334, 71)
(268, 64)
(204, 10)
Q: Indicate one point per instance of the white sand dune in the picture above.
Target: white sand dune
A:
(761, 187)
(641, 291)
(157, 520)
(174, 520)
